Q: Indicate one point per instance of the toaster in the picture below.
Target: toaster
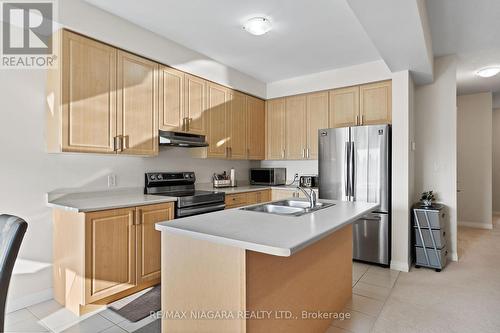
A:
(309, 181)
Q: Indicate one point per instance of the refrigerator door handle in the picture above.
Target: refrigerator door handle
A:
(347, 168)
(353, 171)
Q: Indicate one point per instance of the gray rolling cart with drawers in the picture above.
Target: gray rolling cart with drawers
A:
(430, 236)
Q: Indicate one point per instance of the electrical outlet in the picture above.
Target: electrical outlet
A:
(112, 180)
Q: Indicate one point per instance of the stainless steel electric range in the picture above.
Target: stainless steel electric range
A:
(181, 185)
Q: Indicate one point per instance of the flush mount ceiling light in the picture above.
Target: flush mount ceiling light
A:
(257, 26)
(488, 71)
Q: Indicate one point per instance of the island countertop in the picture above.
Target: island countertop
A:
(278, 235)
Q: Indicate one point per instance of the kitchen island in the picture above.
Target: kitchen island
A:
(245, 271)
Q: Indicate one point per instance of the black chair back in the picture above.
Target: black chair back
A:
(12, 230)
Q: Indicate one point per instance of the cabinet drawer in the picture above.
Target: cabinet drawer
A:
(236, 200)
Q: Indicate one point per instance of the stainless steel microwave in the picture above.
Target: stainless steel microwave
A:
(268, 176)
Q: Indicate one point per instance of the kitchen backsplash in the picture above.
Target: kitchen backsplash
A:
(293, 167)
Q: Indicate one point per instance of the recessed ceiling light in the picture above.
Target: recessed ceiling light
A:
(257, 26)
(488, 71)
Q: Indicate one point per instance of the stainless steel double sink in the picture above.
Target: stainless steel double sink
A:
(288, 207)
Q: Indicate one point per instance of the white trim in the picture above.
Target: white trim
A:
(31, 299)
(477, 225)
(400, 266)
(453, 256)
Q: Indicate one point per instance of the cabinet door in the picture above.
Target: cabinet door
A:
(282, 194)
(171, 106)
(236, 200)
(137, 104)
(149, 240)
(236, 126)
(376, 103)
(256, 128)
(109, 253)
(88, 95)
(258, 197)
(317, 118)
(344, 107)
(195, 94)
(218, 98)
(295, 130)
(275, 133)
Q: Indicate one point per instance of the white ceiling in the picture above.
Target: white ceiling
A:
(471, 30)
(307, 36)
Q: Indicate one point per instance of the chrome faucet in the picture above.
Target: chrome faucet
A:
(310, 196)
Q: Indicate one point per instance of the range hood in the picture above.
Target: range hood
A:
(177, 139)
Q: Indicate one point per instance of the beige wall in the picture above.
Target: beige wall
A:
(475, 146)
(496, 161)
(436, 141)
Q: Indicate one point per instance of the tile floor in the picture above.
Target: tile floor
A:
(464, 297)
(49, 316)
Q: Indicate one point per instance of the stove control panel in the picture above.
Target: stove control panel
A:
(156, 179)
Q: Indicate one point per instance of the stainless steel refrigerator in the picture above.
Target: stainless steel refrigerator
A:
(354, 165)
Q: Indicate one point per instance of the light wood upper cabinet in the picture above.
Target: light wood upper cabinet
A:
(109, 253)
(137, 92)
(195, 94)
(317, 118)
(376, 103)
(171, 114)
(86, 84)
(275, 129)
(256, 128)
(344, 107)
(101, 99)
(236, 126)
(295, 128)
(149, 240)
(218, 99)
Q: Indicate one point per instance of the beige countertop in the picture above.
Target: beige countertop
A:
(103, 200)
(278, 235)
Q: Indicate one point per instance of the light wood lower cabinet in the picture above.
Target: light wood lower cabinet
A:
(103, 256)
(149, 240)
(109, 253)
(247, 198)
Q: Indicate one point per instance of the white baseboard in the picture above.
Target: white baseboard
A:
(453, 256)
(477, 225)
(400, 266)
(31, 299)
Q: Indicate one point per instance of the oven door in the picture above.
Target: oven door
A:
(197, 210)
